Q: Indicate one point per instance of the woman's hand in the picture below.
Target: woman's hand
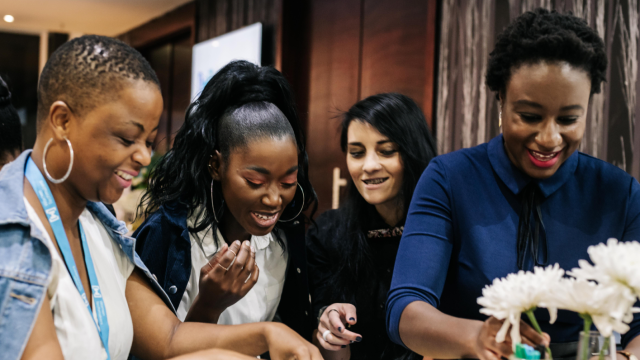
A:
(224, 280)
(286, 344)
(333, 319)
(488, 349)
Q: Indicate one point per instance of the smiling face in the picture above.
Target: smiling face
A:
(113, 141)
(258, 181)
(543, 116)
(374, 164)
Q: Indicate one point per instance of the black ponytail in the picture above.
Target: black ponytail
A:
(182, 174)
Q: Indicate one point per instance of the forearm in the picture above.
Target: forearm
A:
(634, 346)
(200, 312)
(248, 339)
(429, 332)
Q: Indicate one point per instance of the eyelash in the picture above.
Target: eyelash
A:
(256, 185)
(127, 142)
(356, 155)
(565, 120)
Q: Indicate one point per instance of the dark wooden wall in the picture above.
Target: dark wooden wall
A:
(333, 52)
(360, 48)
(218, 17)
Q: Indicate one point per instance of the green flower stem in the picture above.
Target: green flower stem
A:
(605, 346)
(587, 329)
(534, 322)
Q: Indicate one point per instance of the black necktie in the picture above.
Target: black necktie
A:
(531, 234)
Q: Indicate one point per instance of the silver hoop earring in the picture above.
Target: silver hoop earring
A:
(213, 206)
(301, 207)
(44, 162)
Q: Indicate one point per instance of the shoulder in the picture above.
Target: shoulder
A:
(603, 174)
(460, 161)
(174, 215)
(327, 230)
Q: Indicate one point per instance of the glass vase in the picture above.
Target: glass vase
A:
(593, 345)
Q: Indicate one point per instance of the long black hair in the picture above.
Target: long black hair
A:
(399, 118)
(10, 128)
(182, 174)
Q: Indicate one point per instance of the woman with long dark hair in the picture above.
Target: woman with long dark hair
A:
(224, 232)
(352, 250)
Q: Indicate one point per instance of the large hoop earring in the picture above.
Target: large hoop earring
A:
(213, 206)
(44, 162)
(301, 207)
(500, 119)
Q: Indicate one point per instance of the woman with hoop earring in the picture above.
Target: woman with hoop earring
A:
(224, 233)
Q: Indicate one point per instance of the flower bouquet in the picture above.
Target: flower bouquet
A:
(602, 292)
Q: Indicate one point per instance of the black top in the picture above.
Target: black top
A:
(163, 244)
(369, 295)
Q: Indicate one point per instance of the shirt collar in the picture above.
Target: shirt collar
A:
(516, 180)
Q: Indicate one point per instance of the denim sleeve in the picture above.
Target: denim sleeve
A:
(425, 249)
(632, 233)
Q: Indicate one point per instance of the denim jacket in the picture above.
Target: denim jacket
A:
(25, 261)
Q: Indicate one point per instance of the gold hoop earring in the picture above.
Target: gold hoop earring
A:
(500, 119)
(301, 207)
(213, 206)
(44, 162)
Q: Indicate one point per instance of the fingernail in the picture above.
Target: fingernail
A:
(344, 346)
(247, 243)
(340, 329)
(359, 338)
(237, 242)
(253, 250)
(352, 319)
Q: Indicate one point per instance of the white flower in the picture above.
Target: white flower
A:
(506, 298)
(608, 309)
(616, 263)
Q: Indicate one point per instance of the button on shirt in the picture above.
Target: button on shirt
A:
(261, 302)
(461, 229)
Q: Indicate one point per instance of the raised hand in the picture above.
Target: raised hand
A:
(487, 348)
(224, 280)
(332, 332)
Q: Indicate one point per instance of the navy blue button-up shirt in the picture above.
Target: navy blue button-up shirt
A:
(461, 230)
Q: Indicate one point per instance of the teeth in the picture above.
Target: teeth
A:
(543, 157)
(124, 175)
(375, 181)
(264, 217)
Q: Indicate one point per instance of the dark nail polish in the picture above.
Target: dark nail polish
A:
(340, 329)
(359, 338)
(352, 319)
(344, 346)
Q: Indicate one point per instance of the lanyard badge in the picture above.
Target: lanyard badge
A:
(43, 192)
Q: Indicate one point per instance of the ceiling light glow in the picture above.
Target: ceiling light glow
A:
(8, 18)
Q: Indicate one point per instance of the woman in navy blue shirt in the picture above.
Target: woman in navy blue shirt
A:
(526, 198)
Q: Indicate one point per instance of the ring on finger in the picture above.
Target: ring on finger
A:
(210, 266)
(225, 269)
(325, 334)
(233, 261)
(336, 310)
(248, 277)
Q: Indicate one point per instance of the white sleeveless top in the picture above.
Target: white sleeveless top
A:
(77, 332)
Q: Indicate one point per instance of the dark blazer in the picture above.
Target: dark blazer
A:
(164, 245)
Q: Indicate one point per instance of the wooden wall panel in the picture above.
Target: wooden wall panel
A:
(333, 87)
(218, 17)
(398, 39)
(177, 22)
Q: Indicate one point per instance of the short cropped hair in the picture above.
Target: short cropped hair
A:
(544, 35)
(87, 71)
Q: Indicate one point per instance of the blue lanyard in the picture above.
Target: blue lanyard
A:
(43, 192)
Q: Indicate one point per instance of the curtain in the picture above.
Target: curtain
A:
(467, 112)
